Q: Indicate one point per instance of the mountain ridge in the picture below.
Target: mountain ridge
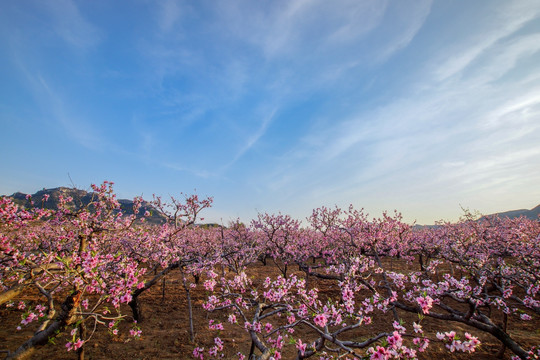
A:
(81, 198)
(530, 214)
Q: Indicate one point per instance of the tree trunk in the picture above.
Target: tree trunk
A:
(135, 309)
(82, 335)
(500, 354)
(190, 307)
(66, 317)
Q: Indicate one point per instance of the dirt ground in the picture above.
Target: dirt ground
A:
(165, 328)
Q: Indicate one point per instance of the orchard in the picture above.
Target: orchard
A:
(338, 285)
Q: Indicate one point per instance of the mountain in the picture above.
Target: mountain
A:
(82, 198)
(531, 214)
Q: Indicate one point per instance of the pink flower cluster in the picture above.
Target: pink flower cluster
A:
(453, 343)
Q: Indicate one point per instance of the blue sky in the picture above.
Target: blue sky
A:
(274, 106)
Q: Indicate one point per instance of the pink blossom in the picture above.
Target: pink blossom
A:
(380, 353)
(219, 343)
(301, 347)
(291, 319)
(198, 353)
(425, 303)
(400, 328)
(78, 344)
(395, 340)
(320, 320)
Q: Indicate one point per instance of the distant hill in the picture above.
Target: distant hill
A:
(82, 198)
(531, 214)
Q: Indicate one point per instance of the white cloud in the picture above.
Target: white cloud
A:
(445, 135)
(396, 101)
(55, 106)
(253, 138)
(71, 25)
(519, 111)
(503, 22)
(56, 110)
(170, 13)
(407, 20)
(300, 27)
(505, 56)
(177, 167)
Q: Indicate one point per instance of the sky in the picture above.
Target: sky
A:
(426, 107)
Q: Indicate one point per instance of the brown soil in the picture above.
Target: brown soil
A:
(165, 328)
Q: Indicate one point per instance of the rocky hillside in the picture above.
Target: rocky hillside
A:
(531, 214)
(82, 198)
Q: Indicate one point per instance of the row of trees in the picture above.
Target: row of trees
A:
(86, 264)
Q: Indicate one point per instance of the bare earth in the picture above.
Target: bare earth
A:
(165, 328)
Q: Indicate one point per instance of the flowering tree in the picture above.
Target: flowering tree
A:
(174, 245)
(383, 280)
(278, 235)
(67, 251)
(472, 274)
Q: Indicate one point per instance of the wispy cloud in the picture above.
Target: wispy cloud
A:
(199, 173)
(55, 106)
(508, 18)
(302, 101)
(404, 28)
(443, 131)
(504, 58)
(316, 40)
(170, 12)
(253, 138)
(305, 29)
(71, 25)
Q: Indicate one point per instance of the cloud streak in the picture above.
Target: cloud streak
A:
(71, 25)
(484, 130)
(508, 19)
(416, 105)
(170, 13)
